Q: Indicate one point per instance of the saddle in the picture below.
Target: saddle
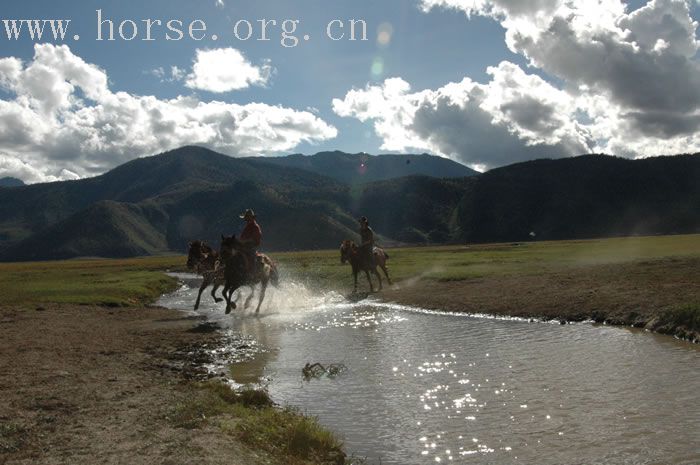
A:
(257, 266)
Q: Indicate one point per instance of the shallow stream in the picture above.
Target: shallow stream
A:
(426, 387)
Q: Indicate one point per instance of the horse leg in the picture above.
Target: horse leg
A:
(354, 273)
(262, 294)
(228, 296)
(371, 287)
(250, 297)
(213, 292)
(386, 273)
(379, 278)
(204, 285)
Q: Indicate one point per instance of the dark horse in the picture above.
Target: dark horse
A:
(350, 252)
(204, 261)
(236, 273)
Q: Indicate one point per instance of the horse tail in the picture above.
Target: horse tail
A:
(274, 272)
(381, 253)
(274, 275)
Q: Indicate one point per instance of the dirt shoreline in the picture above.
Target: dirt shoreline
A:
(643, 294)
(88, 384)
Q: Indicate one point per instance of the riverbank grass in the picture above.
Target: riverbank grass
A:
(251, 417)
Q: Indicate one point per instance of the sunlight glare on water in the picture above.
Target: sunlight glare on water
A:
(428, 387)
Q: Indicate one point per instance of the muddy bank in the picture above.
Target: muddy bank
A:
(83, 384)
(659, 295)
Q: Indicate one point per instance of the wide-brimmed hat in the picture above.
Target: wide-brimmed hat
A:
(247, 213)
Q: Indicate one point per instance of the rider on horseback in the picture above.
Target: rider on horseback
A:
(250, 239)
(366, 249)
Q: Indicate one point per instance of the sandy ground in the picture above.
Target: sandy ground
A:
(631, 294)
(89, 385)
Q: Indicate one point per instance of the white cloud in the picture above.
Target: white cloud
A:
(16, 168)
(174, 75)
(515, 117)
(62, 120)
(225, 69)
(635, 76)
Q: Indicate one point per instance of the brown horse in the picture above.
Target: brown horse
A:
(204, 261)
(236, 272)
(350, 252)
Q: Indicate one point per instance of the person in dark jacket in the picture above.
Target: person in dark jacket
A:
(250, 239)
(366, 241)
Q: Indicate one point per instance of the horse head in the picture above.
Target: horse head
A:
(229, 246)
(195, 253)
(347, 248)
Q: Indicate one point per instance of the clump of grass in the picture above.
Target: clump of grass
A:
(12, 436)
(286, 433)
(254, 398)
(251, 416)
(306, 438)
(683, 316)
(198, 409)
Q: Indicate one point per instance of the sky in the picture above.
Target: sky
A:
(483, 82)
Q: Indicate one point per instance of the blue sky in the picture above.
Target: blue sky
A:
(539, 98)
(427, 50)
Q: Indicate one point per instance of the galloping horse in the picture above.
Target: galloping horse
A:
(349, 252)
(204, 261)
(236, 273)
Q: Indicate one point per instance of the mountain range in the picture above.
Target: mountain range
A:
(157, 204)
(361, 168)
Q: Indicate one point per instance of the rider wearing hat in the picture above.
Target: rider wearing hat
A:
(250, 239)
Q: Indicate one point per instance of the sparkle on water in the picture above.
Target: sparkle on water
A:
(426, 387)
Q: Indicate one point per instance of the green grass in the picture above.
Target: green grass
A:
(464, 262)
(250, 416)
(138, 281)
(99, 282)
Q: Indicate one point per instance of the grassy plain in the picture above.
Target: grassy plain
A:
(639, 281)
(104, 282)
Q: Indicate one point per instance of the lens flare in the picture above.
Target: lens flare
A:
(377, 68)
(385, 31)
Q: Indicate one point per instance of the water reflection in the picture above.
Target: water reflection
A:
(423, 387)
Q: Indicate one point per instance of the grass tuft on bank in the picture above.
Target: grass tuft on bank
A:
(251, 416)
(682, 318)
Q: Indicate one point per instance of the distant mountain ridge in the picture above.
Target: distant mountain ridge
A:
(11, 182)
(157, 204)
(363, 168)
